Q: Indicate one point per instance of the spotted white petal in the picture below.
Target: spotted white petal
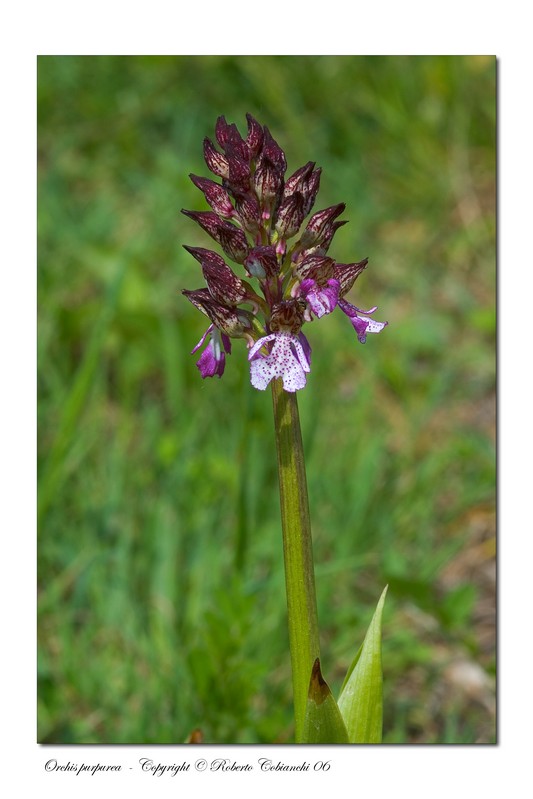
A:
(259, 344)
(287, 360)
(373, 326)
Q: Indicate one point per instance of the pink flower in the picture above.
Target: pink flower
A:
(361, 324)
(213, 359)
(287, 359)
(287, 278)
(320, 299)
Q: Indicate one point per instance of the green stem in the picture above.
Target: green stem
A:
(297, 548)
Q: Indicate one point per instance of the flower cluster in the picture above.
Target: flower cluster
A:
(255, 213)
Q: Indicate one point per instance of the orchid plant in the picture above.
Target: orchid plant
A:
(256, 218)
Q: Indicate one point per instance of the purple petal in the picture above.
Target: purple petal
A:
(212, 361)
(209, 365)
(361, 324)
(209, 329)
(302, 338)
(226, 343)
(372, 326)
(320, 299)
(300, 354)
(259, 344)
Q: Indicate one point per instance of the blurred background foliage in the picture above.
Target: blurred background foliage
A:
(161, 586)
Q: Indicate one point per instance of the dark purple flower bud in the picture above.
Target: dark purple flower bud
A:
(268, 180)
(273, 152)
(320, 224)
(255, 137)
(248, 212)
(310, 190)
(268, 177)
(217, 197)
(235, 146)
(261, 262)
(316, 267)
(234, 322)
(347, 274)
(322, 246)
(290, 215)
(298, 179)
(200, 253)
(216, 162)
(231, 239)
(222, 131)
(306, 180)
(224, 285)
(233, 242)
(328, 236)
(239, 175)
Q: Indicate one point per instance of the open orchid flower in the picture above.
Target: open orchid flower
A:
(286, 359)
(256, 218)
(213, 359)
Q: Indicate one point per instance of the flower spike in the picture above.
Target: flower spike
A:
(296, 283)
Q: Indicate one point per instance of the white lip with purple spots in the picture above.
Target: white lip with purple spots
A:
(286, 359)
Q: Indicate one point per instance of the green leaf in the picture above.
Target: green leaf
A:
(323, 722)
(361, 699)
(352, 667)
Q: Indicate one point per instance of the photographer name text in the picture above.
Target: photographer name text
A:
(158, 769)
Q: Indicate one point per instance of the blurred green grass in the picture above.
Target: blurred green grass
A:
(161, 587)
